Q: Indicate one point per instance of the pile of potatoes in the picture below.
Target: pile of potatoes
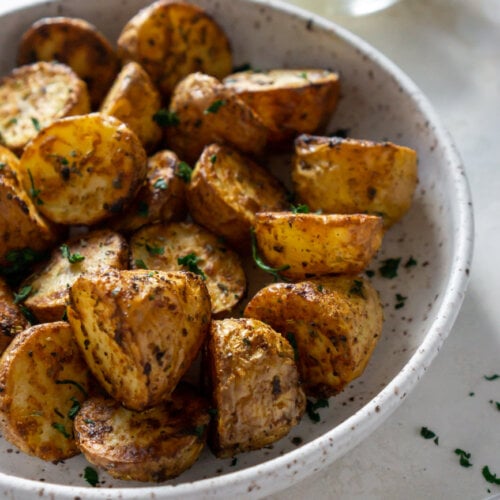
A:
(134, 191)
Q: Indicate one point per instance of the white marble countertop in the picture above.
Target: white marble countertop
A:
(451, 50)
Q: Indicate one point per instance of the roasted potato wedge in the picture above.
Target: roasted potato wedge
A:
(333, 322)
(153, 445)
(78, 44)
(208, 112)
(185, 246)
(134, 100)
(235, 188)
(289, 101)
(354, 176)
(255, 385)
(161, 199)
(12, 321)
(43, 381)
(83, 169)
(35, 95)
(172, 39)
(139, 330)
(306, 244)
(96, 251)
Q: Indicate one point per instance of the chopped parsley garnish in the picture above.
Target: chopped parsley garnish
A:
(160, 184)
(2, 165)
(213, 159)
(73, 258)
(290, 336)
(303, 75)
(400, 301)
(19, 264)
(274, 271)
(428, 434)
(142, 209)
(242, 67)
(34, 193)
(389, 268)
(311, 409)
(370, 273)
(155, 250)
(140, 264)
(464, 457)
(234, 461)
(75, 408)
(214, 107)
(166, 118)
(36, 124)
(90, 475)
(489, 476)
(492, 377)
(74, 383)
(191, 262)
(299, 209)
(60, 428)
(410, 262)
(357, 289)
(28, 314)
(22, 295)
(184, 171)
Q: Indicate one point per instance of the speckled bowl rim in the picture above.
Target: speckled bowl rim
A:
(259, 480)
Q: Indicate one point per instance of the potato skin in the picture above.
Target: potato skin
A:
(209, 112)
(153, 445)
(76, 43)
(289, 101)
(255, 385)
(235, 188)
(42, 372)
(334, 322)
(161, 199)
(159, 246)
(139, 330)
(134, 100)
(101, 249)
(12, 321)
(172, 39)
(316, 244)
(35, 95)
(354, 176)
(83, 168)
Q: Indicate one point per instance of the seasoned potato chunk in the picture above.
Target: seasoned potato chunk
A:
(153, 445)
(43, 380)
(78, 44)
(306, 244)
(354, 176)
(161, 198)
(333, 322)
(255, 385)
(227, 189)
(12, 321)
(83, 169)
(184, 246)
(134, 100)
(35, 95)
(289, 101)
(172, 39)
(93, 252)
(208, 112)
(139, 330)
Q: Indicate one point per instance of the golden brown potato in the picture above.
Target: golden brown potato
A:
(34, 96)
(78, 44)
(255, 385)
(172, 39)
(93, 252)
(83, 169)
(185, 246)
(208, 112)
(12, 321)
(227, 189)
(289, 101)
(153, 445)
(161, 199)
(334, 324)
(134, 100)
(139, 330)
(316, 244)
(354, 176)
(43, 381)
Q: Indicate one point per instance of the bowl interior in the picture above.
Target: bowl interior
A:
(432, 242)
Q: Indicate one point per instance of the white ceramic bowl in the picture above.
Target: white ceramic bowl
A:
(378, 102)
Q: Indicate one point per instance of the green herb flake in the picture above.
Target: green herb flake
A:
(489, 476)
(273, 271)
(389, 268)
(22, 295)
(166, 118)
(75, 408)
(191, 262)
(140, 264)
(400, 301)
(160, 184)
(242, 67)
(90, 475)
(2, 165)
(370, 273)
(213, 159)
(28, 314)
(215, 106)
(36, 123)
(492, 377)
(411, 262)
(234, 461)
(464, 457)
(199, 430)
(299, 209)
(290, 336)
(184, 171)
(312, 409)
(357, 289)
(73, 258)
(155, 250)
(60, 428)
(427, 433)
(497, 404)
(33, 192)
(303, 75)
